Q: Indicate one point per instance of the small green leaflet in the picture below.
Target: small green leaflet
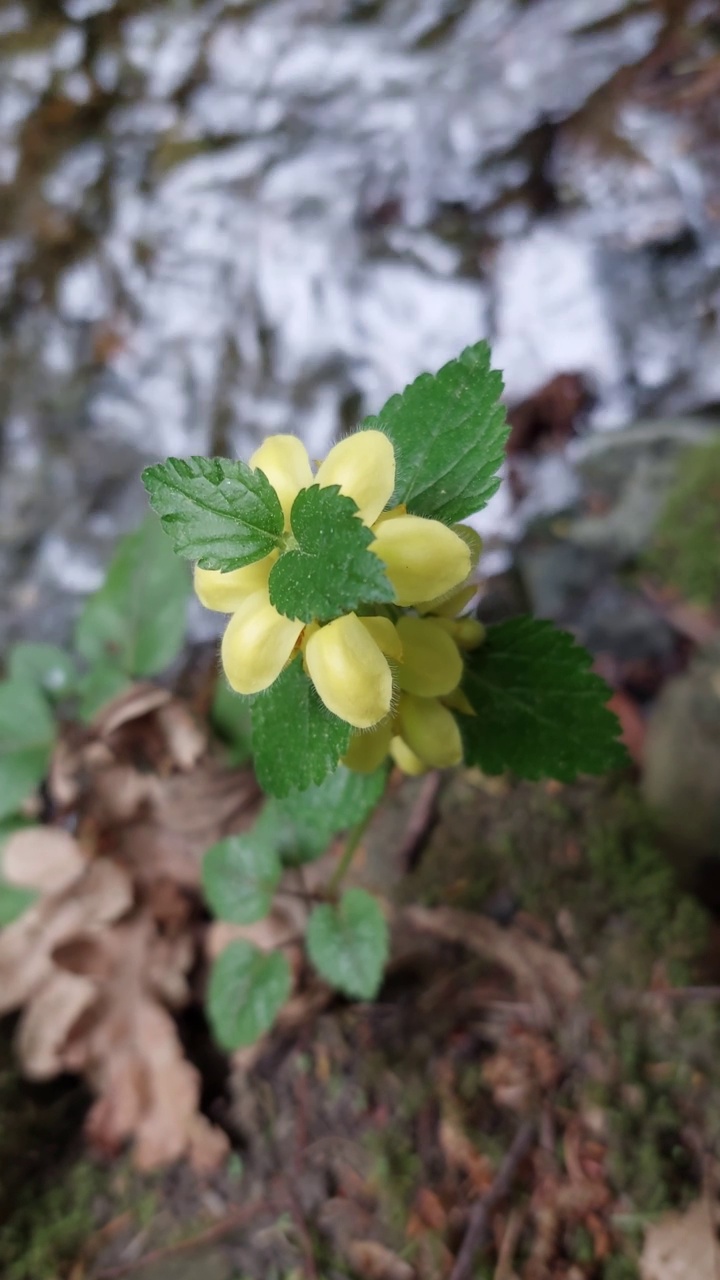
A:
(317, 814)
(541, 711)
(27, 736)
(100, 685)
(296, 740)
(217, 511)
(348, 944)
(331, 572)
(51, 668)
(240, 875)
(449, 433)
(246, 991)
(14, 899)
(136, 622)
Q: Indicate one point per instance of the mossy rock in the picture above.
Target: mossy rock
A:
(685, 551)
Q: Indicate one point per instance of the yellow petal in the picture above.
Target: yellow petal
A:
(472, 540)
(225, 592)
(431, 663)
(447, 606)
(284, 460)
(349, 672)
(257, 643)
(430, 730)
(423, 557)
(406, 759)
(385, 635)
(368, 750)
(363, 465)
(468, 633)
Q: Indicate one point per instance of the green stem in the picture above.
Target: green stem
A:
(343, 866)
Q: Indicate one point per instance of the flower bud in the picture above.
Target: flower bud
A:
(468, 633)
(431, 662)
(350, 672)
(423, 557)
(430, 730)
(406, 759)
(363, 465)
(459, 701)
(258, 641)
(284, 460)
(226, 592)
(368, 750)
(385, 635)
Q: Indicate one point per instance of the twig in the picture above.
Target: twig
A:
(506, 1253)
(479, 1226)
(421, 816)
(219, 1229)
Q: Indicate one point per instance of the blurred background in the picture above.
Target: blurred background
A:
(225, 218)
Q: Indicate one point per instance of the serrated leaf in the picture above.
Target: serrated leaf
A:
(541, 711)
(136, 621)
(348, 944)
(217, 511)
(27, 735)
(297, 742)
(449, 433)
(309, 819)
(230, 716)
(240, 875)
(101, 684)
(47, 666)
(246, 991)
(331, 571)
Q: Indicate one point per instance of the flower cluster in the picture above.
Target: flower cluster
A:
(393, 673)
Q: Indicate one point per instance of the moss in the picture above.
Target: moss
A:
(685, 551)
(48, 1228)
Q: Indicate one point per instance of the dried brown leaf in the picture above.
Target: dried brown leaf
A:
(185, 737)
(44, 858)
(47, 1021)
(373, 1261)
(681, 1246)
(133, 704)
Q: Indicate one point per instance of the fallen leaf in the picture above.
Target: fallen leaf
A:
(373, 1261)
(44, 858)
(47, 1020)
(682, 1246)
(132, 704)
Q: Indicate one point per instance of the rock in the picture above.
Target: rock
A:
(681, 774)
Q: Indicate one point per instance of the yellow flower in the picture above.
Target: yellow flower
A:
(350, 672)
(368, 750)
(258, 641)
(225, 592)
(431, 662)
(406, 759)
(363, 465)
(423, 558)
(284, 460)
(430, 730)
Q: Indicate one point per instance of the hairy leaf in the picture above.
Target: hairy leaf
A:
(296, 740)
(217, 511)
(449, 433)
(540, 711)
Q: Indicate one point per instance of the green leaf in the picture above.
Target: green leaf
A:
(449, 434)
(14, 902)
(246, 991)
(541, 711)
(240, 875)
(101, 684)
(217, 511)
(27, 735)
(331, 572)
(230, 715)
(47, 666)
(348, 944)
(309, 819)
(136, 621)
(296, 740)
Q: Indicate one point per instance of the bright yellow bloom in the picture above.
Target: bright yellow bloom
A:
(368, 750)
(225, 592)
(363, 465)
(431, 662)
(350, 672)
(258, 641)
(423, 558)
(430, 730)
(406, 759)
(284, 460)
(385, 635)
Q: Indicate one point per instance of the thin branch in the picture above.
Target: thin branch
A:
(479, 1226)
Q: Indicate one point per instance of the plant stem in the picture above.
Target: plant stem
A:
(343, 866)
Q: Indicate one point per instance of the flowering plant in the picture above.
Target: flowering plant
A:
(347, 590)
